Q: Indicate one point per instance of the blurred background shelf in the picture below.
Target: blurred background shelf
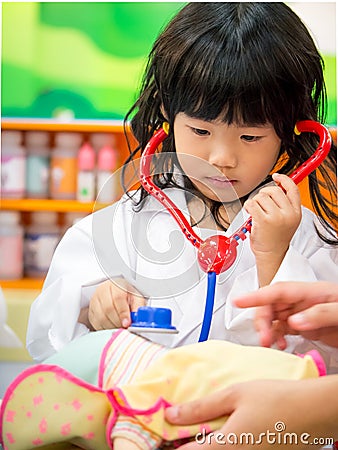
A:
(29, 204)
(22, 283)
(76, 125)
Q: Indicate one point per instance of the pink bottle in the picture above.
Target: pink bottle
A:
(106, 179)
(86, 174)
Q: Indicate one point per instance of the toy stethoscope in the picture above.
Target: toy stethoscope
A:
(215, 254)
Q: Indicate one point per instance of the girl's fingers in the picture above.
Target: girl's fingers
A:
(286, 196)
(266, 202)
(100, 317)
(136, 301)
(289, 187)
(123, 309)
(126, 299)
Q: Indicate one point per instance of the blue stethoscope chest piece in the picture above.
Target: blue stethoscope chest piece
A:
(148, 319)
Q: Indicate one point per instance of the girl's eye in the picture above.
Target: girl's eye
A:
(249, 138)
(200, 132)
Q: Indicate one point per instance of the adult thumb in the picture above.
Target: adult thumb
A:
(322, 315)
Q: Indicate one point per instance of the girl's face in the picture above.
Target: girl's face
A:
(225, 162)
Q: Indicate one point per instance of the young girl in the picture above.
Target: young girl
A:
(232, 80)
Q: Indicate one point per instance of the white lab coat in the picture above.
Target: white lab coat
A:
(150, 252)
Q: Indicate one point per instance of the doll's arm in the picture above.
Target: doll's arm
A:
(124, 444)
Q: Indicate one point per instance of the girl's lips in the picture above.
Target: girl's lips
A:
(221, 182)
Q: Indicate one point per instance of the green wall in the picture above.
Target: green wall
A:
(85, 57)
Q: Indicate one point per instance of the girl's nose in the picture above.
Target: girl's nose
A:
(223, 156)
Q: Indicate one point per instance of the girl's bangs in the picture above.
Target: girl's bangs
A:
(217, 89)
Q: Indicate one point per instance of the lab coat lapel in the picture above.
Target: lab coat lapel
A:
(166, 262)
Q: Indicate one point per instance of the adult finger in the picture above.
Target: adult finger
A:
(318, 316)
(263, 323)
(198, 411)
(288, 293)
(210, 445)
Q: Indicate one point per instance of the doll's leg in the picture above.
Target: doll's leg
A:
(46, 405)
(126, 359)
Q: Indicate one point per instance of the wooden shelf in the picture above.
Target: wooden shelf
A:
(30, 204)
(22, 283)
(87, 126)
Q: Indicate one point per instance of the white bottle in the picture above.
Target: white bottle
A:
(64, 166)
(106, 179)
(37, 168)
(99, 140)
(13, 165)
(71, 218)
(41, 239)
(86, 174)
(11, 245)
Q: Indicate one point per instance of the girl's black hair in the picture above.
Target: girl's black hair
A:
(249, 63)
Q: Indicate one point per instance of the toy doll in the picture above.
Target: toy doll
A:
(137, 379)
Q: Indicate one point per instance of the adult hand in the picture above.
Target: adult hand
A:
(309, 309)
(263, 411)
(111, 304)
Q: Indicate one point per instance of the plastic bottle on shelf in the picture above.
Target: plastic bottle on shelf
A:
(37, 168)
(13, 165)
(106, 180)
(11, 245)
(99, 140)
(86, 174)
(71, 218)
(41, 239)
(64, 166)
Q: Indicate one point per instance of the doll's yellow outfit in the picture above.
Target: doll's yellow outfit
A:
(137, 379)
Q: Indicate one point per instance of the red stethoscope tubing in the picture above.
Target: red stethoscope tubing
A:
(297, 176)
(155, 191)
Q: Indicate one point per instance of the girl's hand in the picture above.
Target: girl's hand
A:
(309, 309)
(276, 215)
(259, 409)
(111, 304)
